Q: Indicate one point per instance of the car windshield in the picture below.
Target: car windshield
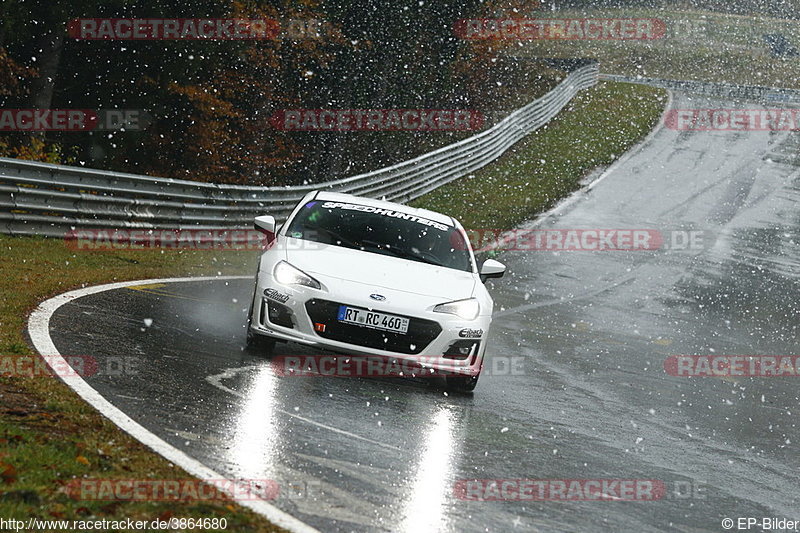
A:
(382, 231)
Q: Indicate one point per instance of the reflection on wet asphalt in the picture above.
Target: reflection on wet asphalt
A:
(594, 400)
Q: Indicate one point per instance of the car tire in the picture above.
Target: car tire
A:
(256, 343)
(461, 383)
(260, 344)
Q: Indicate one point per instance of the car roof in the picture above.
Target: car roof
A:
(361, 200)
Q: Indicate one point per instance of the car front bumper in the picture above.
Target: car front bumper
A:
(439, 341)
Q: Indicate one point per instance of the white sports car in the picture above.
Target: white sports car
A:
(368, 277)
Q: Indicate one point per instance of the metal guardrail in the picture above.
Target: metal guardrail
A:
(44, 199)
(757, 93)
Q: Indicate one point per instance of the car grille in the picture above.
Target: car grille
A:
(420, 333)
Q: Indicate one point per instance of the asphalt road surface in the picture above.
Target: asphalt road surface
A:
(593, 400)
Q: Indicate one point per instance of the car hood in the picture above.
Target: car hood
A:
(379, 271)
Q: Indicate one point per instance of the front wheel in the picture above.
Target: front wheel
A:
(260, 344)
(461, 383)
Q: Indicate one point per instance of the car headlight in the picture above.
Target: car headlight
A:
(467, 309)
(287, 274)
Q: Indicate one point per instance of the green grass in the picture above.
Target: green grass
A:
(49, 436)
(506, 87)
(699, 45)
(597, 127)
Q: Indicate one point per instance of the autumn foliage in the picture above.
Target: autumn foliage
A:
(210, 101)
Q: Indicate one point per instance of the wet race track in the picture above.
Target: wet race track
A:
(593, 400)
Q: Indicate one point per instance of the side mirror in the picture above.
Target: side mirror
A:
(265, 224)
(492, 269)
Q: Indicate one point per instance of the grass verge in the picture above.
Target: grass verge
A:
(696, 45)
(595, 129)
(49, 436)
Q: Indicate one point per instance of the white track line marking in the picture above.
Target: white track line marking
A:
(662, 120)
(39, 331)
(576, 197)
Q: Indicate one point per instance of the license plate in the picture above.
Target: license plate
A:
(372, 319)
